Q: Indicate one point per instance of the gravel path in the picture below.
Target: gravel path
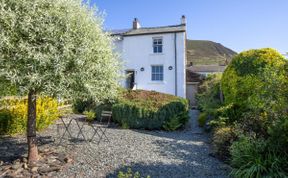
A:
(160, 154)
(156, 153)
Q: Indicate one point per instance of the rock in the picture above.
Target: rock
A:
(17, 161)
(61, 157)
(44, 170)
(45, 150)
(51, 160)
(1, 162)
(18, 171)
(24, 160)
(34, 169)
(51, 174)
(68, 160)
(16, 166)
(4, 168)
(25, 166)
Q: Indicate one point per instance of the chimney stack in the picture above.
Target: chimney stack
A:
(136, 24)
(183, 20)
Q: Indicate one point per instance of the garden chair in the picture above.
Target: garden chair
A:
(101, 127)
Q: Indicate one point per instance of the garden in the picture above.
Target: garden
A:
(246, 110)
(133, 109)
(56, 53)
(53, 54)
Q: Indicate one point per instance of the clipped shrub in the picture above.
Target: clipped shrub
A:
(202, 119)
(223, 138)
(141, 109)
(13, 114)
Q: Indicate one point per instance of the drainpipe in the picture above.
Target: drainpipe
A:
(175, 46)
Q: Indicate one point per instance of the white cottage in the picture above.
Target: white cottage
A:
(154, 57)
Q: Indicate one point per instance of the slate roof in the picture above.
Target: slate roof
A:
(149, 30)
(207, 68)
(193, 77)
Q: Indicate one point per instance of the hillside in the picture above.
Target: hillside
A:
(201, 52)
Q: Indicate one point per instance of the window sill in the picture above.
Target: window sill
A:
(157, 82)
(156, 54)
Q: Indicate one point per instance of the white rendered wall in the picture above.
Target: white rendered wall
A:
(137, 52)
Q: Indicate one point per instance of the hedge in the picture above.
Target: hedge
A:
(13, 114)
(139, 109)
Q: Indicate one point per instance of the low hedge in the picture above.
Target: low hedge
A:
(13, 114)
(139, 109)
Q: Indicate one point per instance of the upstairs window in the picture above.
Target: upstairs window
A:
(157, 73)
(157, 45)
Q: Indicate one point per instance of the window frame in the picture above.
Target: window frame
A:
(158, 46)
(157, 75)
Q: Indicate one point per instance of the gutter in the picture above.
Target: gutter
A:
(175, 47)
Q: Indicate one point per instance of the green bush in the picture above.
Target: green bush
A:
(129, 174)
(257, 80)
(278, 135)
(255, 87)
(90, 115)
(141, 109)
(202, 119)
(209, 95)
(255, 158)
(13, 114)
(79, 105)
(223, 138)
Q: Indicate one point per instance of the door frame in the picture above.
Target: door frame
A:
(132, 83)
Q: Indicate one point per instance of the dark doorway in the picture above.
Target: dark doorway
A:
(130, 80)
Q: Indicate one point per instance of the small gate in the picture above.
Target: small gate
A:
(191, 91)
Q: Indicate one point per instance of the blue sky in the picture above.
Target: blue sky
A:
(237, 24)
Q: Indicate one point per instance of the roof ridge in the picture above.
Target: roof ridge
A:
(131, 29)
(179, 25)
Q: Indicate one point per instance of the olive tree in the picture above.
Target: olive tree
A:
(55, 48)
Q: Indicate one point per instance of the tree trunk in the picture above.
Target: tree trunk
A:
(31, 128)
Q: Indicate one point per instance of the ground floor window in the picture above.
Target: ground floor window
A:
(157, 73)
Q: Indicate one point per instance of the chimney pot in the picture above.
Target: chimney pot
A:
(183, 20)
(136, 24)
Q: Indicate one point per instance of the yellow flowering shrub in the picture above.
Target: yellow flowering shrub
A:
(13, 114)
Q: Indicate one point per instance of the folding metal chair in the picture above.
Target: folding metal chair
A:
(66, 128)
(101, 127)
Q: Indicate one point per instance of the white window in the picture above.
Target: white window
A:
(157, 73)
(157, 45)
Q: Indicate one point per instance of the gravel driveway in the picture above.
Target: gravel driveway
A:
(156, 153)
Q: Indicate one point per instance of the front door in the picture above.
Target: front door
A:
(130, 79)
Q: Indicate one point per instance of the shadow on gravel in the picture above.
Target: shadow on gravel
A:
(192, 155)
(179, 135)
(13, 148)
(160, 170)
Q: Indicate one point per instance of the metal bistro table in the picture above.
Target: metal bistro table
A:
(76, 118)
